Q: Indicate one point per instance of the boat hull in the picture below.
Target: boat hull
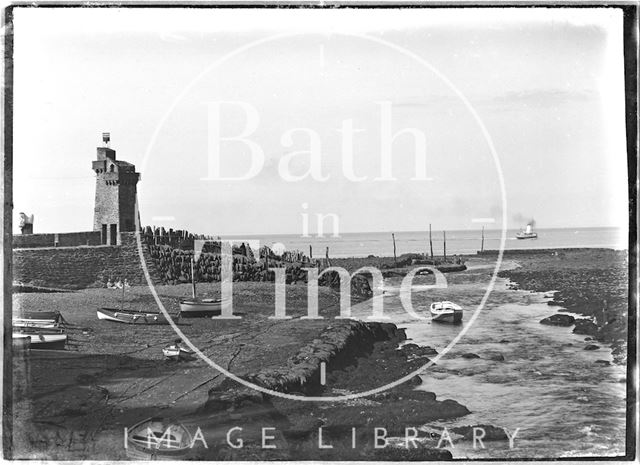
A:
(200, 307)
(527, 236)
(158, 438)
(131, 317)
(44, 324)
(446, 312)
(454, 316)
(174, 353)
(41, 341)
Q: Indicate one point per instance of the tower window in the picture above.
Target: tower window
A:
(111, 168)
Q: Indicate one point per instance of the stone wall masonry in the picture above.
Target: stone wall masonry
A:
(173, 266)
(81, 267)
(49, 240)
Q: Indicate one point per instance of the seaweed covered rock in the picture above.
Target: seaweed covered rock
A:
(420, 453)
(585, 326)
(558, 320)
(415, 351)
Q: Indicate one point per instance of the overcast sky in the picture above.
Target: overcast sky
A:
(546, 84)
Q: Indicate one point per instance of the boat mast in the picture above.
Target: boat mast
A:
(193, 278)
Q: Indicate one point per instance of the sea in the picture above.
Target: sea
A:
(564, 401)
(457, 242)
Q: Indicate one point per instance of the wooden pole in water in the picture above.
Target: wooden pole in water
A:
(482, 245)
(310, 252)
(444, 233)
(193, 278)
(122, 299)
(327, 257)
(430, 242)
(395, 260)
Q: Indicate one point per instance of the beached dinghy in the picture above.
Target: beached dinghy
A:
(194, 306)
(36, 319)
(51, 341)
(176, 351)
(200, 307)
(446, 311)
(157, 438)
(131, 316)
(29, 323)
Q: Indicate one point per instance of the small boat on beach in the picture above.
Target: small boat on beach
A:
(39, 319)
(195, 306)
(156, 438)
(176, 351)
(527, 233)
(28, 323)
(446, 311)
(40, 340)
(131, 316)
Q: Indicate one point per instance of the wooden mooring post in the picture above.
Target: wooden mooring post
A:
(444, 233)
(430, 242)
(482, 244)
(327, 257)
(395, 260)
(310, 252)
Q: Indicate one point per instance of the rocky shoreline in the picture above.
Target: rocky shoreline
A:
(360, 357)
(588, 282)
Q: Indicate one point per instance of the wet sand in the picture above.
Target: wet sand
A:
(74, 404)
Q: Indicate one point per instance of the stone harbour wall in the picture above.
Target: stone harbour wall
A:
(80, 267)
(86, 238)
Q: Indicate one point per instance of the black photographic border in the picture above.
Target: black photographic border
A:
(630, 46)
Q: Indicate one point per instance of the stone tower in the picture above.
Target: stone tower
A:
(116, 182)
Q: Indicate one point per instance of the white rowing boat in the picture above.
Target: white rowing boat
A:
(193, 307)
(158, 438)
(446, 311)
(40, 340)
(33, 323)
(131, 317)
(176, 351)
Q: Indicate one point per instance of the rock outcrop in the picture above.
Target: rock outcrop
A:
(585, 326)
(558, 320)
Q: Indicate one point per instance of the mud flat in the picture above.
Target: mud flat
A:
(75, 404)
